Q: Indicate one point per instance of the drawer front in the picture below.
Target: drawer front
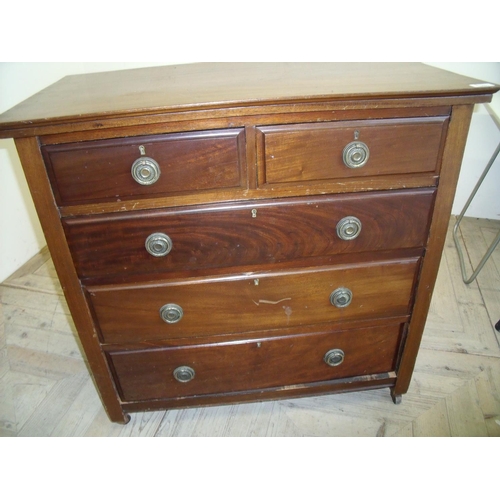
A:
(242, 303)
(249, 233)
(256, 364)
(187, 162)
(314, 152)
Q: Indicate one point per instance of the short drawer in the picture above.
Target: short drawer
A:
(257, 364)
(146, 166)
(341, 150)
(246, 303)
(248, 233)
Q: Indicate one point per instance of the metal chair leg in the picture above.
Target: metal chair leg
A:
(460, 217)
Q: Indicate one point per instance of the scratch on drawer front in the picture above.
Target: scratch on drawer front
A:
(263, 301)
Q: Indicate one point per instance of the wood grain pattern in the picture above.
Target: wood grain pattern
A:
(309, 152)
(306, 112)
(444, 372)
(217, 85)
(247, 293)
(452, 158)
(188, 162)
(246, 366)
(39, 185)
(230, 235)
(277, 191)
(235, 304)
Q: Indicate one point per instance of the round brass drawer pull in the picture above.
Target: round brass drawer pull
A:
(341, 297)
(348, 228)
(158, 244)
(334, 357)
(355, 154)
(184, 374)
(171, 313)
(145, 171)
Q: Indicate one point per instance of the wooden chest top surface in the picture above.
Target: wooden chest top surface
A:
(200, 86)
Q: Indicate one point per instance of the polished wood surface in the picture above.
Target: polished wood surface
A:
(452, 158)
(39, 184)
(230, 235)
(243, 366)
(279, 285)
(240, 303)
(294, 153)
(188, 162)
(218, 85)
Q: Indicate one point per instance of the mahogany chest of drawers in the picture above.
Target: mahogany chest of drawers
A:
(240, 232)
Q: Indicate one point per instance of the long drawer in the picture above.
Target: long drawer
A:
(146, 166)
(340, 150)
(248, 233)
(256, 364)
(245, 303)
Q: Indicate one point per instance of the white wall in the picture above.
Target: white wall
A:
(21, 236)
(484, 136)
(20, 233)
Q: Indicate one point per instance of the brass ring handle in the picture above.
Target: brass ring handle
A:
(341, 297)
(348, 228)
(184, 374)
(158, 244)
(171, 313)
(334, 357)
(355, 154)
(145, 171)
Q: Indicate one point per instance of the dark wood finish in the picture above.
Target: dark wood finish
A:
(335, 386)
(454, 149)
(236, 303)
(188, 162)
(229, 235)
(307, 152)
(251, 117)
(165, 342)
(39, 185)
(275, 192)
(92, 100)
(259, 364)
(178, 121)
(294, 391)
(255, 290)
(339, 260)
